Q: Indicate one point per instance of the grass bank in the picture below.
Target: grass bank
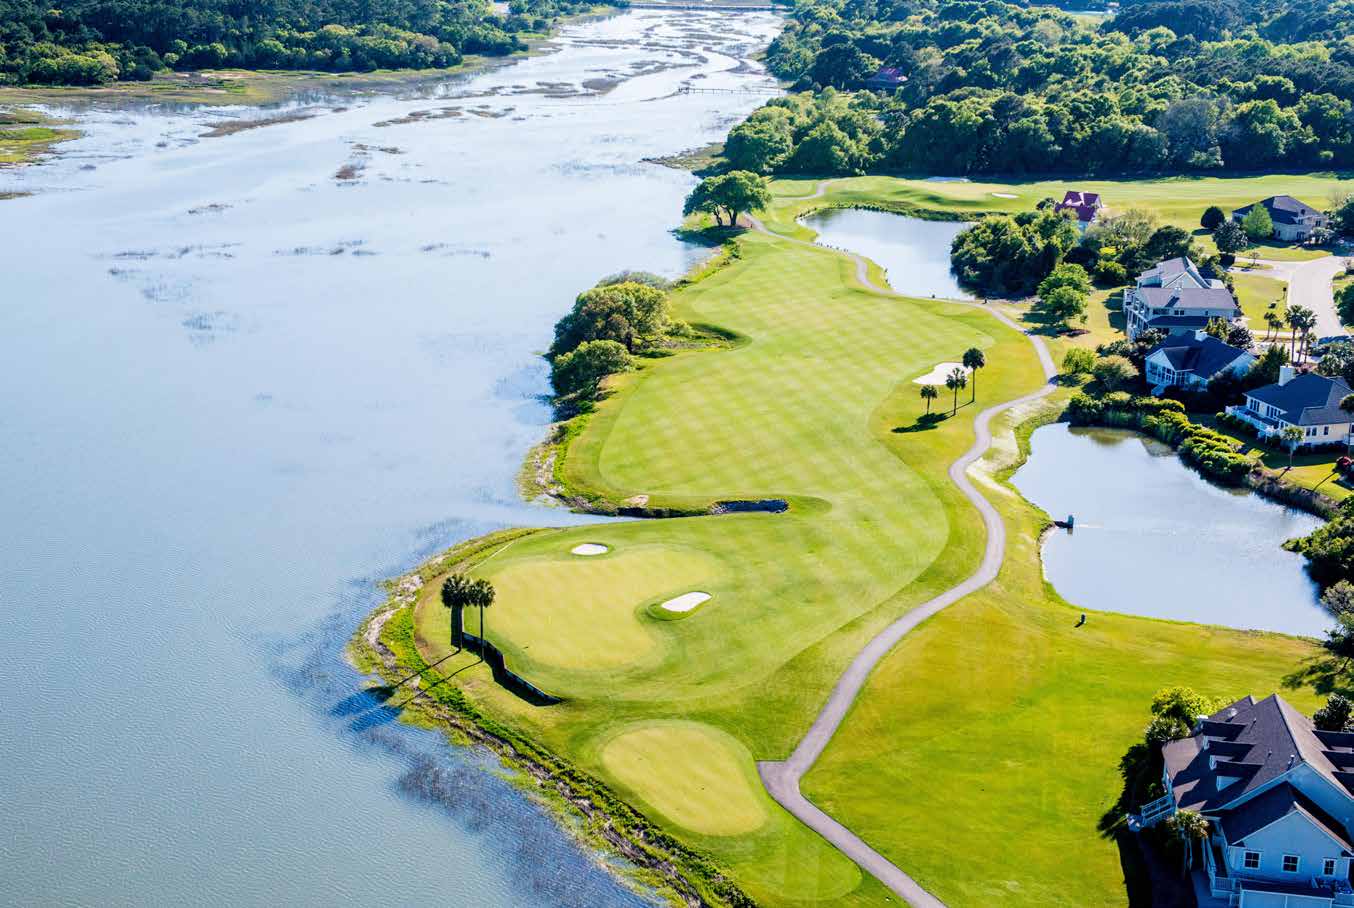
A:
(995, 722)
(27, 135)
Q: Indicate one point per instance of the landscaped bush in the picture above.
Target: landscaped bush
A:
(1111, 273)
(1078, 361)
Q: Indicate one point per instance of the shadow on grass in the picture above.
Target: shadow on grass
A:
(1152, 875)
(1324, 674)
(924, 423)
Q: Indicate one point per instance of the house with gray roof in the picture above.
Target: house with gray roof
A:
(1279, 797)
(1294, 221)
(1309, 401)
(1177, 298)
(1192, 360)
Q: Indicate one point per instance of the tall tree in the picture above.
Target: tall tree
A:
(955, 381)
(1292, 437)
(458, 593)
(973, 361)
(728, 195)
(928, 394)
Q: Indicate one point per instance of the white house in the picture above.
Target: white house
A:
(1279, 798)
(1294, 221)
(1191, 360)
(1176, 298)
(1309, 401)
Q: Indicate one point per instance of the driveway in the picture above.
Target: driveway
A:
(1309, 284)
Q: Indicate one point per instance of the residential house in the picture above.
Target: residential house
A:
(886, 78)
(1191, 360)
(1176, 298)
(1279, 798)
(1294, 221)
(1309, 401)
(1085, 206)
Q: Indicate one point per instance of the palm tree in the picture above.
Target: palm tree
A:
(1305, 320)
(458, 591)
(930, 393)
(973, 361)
(955, 381)
(1272, 324)
(1290, 318)
(1292, 436)
(1347, 406)
(1191, 827)
(482, 599)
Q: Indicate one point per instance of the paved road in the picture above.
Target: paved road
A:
(1309, 284)
(782, 779)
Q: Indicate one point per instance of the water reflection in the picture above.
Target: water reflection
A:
(1155, 538)
(914, 253)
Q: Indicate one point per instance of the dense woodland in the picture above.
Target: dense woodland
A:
(1010, 88)
(95, 42)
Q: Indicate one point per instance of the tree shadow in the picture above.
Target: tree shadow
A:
(1324, 674)
(924, 423)
(1152, 875)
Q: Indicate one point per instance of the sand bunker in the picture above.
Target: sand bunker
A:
(685, 602)
(1006, 195)
(937, 375)
(590, 548)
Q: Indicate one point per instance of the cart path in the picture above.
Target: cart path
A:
(782, 779)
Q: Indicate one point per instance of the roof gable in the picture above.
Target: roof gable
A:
(1204, 356)
(1244, 748)
(1280, 805)
(1309, 399)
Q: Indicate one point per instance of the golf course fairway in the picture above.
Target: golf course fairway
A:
(984, 749)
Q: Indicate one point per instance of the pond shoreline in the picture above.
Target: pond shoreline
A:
(1186, 529)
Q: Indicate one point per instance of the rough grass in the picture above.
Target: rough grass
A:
(26, 135)
(994, 723)
(1255, 292)
(1174, 200)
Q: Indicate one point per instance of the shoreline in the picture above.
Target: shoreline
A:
(540, 474)
(258, 89)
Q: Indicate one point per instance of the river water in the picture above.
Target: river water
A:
(246, 377)
(1155, 538)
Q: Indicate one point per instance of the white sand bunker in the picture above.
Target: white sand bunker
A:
(938, 375)
(1006, 195)
(685, 602)
(590, 548)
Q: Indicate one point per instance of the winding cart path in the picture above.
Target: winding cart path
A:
(782, 779)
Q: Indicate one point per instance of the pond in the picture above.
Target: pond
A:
(1155, 538)
(914, 253)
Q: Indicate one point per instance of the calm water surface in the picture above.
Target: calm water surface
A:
(1155, 538)
(237, 391)
(914, 253)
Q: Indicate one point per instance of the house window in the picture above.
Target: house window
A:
(1325, 430)
(1328, 867)
(1251, 860)
(1291, 863)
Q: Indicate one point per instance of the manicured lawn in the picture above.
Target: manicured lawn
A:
(1258, 293)
(672, 710)
(1175, 200)
(1000, 720)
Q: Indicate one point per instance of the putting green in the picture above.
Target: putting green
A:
(578, 613)
(698, 777)
(818, 407)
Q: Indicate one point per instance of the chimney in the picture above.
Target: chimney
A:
(1286, 374)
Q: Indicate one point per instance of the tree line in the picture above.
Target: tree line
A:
(96, 42)
(997, 87)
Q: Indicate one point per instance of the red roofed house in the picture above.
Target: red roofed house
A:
(1084, 205)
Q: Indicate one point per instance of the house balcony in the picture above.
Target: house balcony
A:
(1262, 424)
